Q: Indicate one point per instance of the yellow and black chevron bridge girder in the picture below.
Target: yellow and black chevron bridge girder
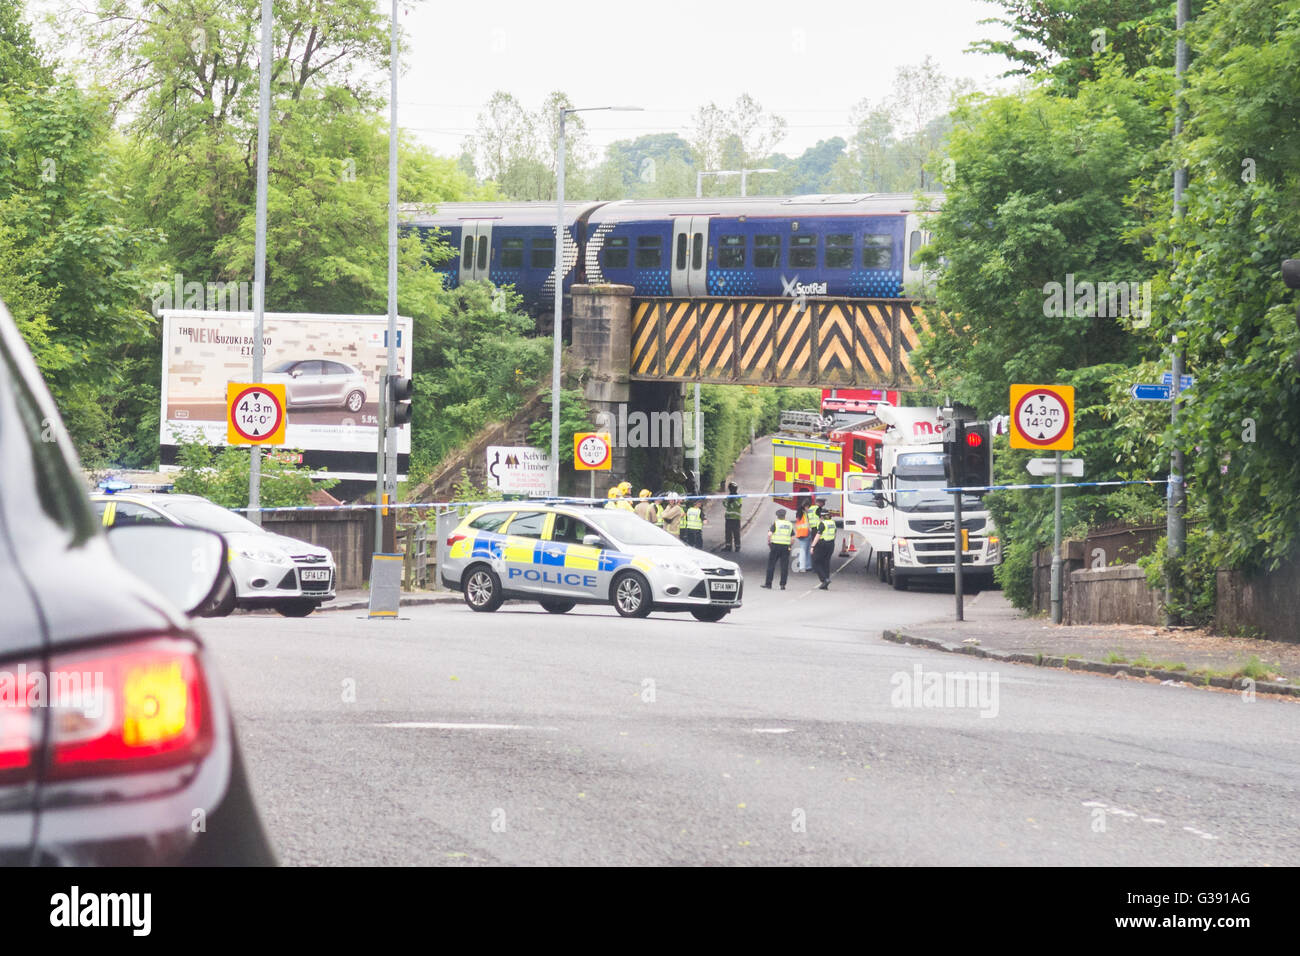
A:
(753, 341)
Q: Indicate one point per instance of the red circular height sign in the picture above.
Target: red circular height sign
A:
(256, 413)
(1042, 417)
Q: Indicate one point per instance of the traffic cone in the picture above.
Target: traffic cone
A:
(847, 546)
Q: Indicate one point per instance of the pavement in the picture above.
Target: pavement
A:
(1185, 655)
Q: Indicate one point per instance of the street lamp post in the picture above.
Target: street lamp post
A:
(556, 345)
(742, 173)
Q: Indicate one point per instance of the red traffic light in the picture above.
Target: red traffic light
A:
(974, 439)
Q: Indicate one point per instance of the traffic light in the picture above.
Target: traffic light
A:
(400, 391)
(969, 456)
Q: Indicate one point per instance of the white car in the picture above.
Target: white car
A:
(321, 382)
(264, 570)
(562, 556)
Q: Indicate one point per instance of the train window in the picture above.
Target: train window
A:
(914, 242)
(616, 253)
(731, 251)
(767, 252)
(649, 252)
(803, 252)
(839, 251)
(543, 253)
(467, 261)
(681, 251)
(482, 252)
(512, 253)
(877, 252)
(697, 251)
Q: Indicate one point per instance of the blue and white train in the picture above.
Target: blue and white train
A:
(860, 245)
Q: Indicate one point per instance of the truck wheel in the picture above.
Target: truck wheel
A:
(631, 594)
(482, 588)
(896, 580)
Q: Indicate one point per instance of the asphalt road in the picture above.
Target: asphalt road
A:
(778, 736)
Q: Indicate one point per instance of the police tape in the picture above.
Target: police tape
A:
(581, 501)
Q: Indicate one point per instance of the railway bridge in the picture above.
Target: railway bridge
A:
(640, 351)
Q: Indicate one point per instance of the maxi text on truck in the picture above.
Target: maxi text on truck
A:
(903, 513)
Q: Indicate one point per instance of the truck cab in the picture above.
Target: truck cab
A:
(904, 514)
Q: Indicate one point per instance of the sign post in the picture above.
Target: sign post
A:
(1042, 418)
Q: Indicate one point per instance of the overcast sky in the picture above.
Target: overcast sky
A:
(809, 62)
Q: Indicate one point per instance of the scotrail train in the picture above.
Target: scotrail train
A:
(861, 246)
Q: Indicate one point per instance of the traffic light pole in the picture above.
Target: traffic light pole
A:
(380, 464)
(957, 556)
(1056, 545)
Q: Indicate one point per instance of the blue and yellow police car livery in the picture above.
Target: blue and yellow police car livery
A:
(562, 556)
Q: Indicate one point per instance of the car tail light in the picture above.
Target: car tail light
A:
(453, 538)
(136, 707)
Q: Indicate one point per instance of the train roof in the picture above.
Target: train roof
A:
(542, 213)
(828, 204)
(539, 213)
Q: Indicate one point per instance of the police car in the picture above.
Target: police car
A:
(562, 556)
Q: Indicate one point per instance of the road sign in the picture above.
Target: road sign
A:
(1152, 393)
(1046, 467)
(592, 451)
(255, 414)
(1185, 380)
(1042, 417)
(518, 470)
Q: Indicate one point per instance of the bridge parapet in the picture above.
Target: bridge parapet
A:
(775, 341)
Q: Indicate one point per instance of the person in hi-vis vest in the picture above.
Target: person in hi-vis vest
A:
(694, 524)
(823, 549)
(779, 536)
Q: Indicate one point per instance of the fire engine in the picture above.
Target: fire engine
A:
(815, 450)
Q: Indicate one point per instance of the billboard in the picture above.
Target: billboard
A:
(332, 367)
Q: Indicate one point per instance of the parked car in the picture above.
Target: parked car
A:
(562, 556)
(319, 382)
(265, 570)
(116, 738)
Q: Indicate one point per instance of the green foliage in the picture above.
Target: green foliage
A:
(465, 489)
(221, 476)
(575, 416)
(1192, 578)
(729, 411)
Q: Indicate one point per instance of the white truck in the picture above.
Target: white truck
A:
(902, 513)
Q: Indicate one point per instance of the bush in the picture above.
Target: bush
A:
(221, 476)
(1193, 587)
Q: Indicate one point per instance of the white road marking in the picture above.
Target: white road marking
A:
(772, 730)
(436, 725)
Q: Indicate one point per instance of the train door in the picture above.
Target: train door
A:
(475, 249)
(915, 239)
(690, 255)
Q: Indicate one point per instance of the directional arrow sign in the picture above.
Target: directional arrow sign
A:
(1046, 467)
(1168, 379)
(1152, 393)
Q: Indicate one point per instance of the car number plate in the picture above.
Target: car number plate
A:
(944, 569)
(723, 585)
(316, 574)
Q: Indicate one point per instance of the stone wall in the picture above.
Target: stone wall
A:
(1265, 604)
(1115, 595)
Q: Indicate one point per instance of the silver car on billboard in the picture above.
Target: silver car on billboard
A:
(562, 556)
(319, 382)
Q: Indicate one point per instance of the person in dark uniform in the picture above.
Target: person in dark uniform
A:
(779, 536)
(823, 549)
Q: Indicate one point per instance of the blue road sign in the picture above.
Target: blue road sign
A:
(1168, 379)
(1152, 393)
